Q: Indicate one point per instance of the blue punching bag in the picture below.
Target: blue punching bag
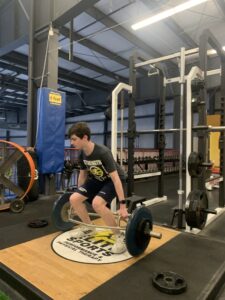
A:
(50, 130)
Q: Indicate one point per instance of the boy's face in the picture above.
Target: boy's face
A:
(77, 142)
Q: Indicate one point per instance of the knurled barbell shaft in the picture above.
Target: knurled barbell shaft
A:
(156, 235)
(96, 226)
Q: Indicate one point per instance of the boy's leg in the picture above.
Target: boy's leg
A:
(99, 205)
(77, 202)
(87, 191)
(84, 192)
(104, 197)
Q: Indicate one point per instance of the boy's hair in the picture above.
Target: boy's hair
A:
(80, 129)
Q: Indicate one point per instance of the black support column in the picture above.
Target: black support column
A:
(43, 72)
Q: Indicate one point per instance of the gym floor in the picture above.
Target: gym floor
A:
(199, 258)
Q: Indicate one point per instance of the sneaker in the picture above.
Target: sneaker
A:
(119, 246)
(83, 230)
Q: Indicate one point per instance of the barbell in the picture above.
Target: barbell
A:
(195, 128)
(138, 231)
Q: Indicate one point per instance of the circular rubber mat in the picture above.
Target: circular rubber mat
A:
(91, 249)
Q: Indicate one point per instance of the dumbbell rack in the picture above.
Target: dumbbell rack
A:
(146, 162)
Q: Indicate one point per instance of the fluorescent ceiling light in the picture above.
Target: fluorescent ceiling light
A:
(213, 51)
(167, 13)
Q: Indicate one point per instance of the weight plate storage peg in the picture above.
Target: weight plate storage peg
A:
(169, 283)
(138, 229)
(196, 207)
(60, 210)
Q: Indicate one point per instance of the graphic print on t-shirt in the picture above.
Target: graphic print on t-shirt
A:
(96, 169)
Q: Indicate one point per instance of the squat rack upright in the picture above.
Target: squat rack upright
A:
(205, 38)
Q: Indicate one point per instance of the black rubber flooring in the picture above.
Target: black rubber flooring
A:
(196, 258)
(14, 227)
(11, 293)
(216, 229)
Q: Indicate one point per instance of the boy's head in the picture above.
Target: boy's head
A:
(80, 129)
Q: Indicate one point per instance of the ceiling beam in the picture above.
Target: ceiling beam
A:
(83, 80)
(181, 33)
(9, 107)
(66, 75)
(16, 58)
(140, 44)
(73, 12)
(12, 67)
(21, 67)
(93, 46)
(92, 67)
(97, 48)
(110, 23)
(66, 83)
(221, 5)
(15, 95)
(12, 101)
(13, 83)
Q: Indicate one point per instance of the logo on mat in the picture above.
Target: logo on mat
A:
(94, 249)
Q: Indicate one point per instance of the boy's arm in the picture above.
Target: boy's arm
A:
(120, 192)
(82, 177)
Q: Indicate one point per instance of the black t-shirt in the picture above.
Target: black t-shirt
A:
(100, 163)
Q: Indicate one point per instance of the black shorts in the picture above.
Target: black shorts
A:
(93, 187)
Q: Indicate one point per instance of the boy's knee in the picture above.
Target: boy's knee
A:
(97, 204)
(74, 198)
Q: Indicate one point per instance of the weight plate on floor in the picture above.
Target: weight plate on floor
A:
(137, 231)
(195, 209)
(38, 223)
(169, 283)
(60, 213)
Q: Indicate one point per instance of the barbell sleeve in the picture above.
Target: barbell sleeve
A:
(156, 235)
(210, 211)
(207, 164)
